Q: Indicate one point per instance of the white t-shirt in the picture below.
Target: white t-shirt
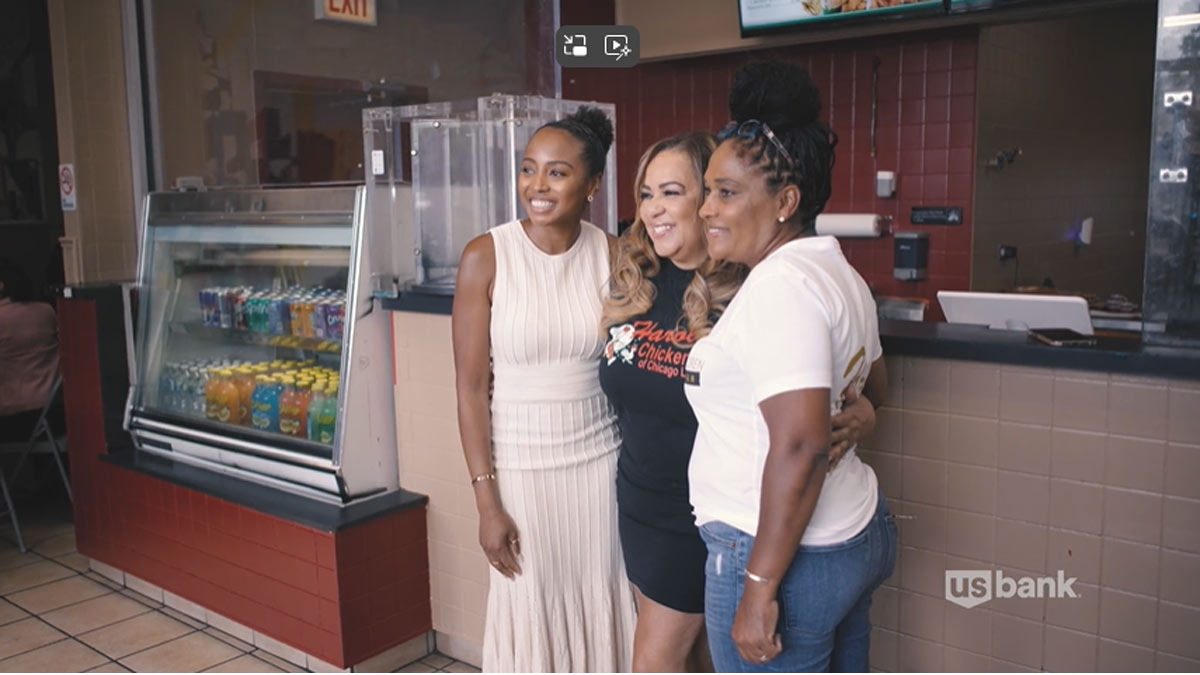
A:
(804, 319)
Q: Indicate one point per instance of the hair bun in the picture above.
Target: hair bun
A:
(781, 94)
(597, 122)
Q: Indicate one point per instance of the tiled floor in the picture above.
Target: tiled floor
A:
(57, 616)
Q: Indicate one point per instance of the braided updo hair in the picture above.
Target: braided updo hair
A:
(784, 97)
(591, 127)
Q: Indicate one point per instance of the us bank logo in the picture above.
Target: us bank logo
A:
(971, 588)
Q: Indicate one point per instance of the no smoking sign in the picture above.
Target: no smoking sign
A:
(66, 186)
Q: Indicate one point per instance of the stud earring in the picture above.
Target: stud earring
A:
(781, 219)
(590, 198)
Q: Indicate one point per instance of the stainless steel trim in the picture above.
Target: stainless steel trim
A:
(354, 286)
(231, 443)
(130, 353)
(316, 219)
(144, 254)
(255, 203)
(218, 467)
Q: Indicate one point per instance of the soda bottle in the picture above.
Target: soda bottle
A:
(303, 400)
(289, 408)
(166, 386)
(211, 395)
(258, 405)
(265, 415)
(315, 407)
(327, 425)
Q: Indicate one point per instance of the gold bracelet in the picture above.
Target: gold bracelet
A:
(482, 477)
(754, 577)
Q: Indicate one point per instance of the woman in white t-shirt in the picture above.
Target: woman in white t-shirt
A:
(796, 548)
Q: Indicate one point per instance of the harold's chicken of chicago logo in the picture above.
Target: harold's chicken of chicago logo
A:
(645, 345)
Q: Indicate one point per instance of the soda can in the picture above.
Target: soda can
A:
(239, 309)
(281, 315)
(205, 313)
(296, 311)
(264, 309)
(310, 305)
(258, 312)
(335, 320)
(271, 314)
(318, 318)
(225, 307)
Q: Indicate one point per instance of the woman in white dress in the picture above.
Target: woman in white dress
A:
(542, 448)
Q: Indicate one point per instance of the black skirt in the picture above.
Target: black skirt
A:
(664, 555)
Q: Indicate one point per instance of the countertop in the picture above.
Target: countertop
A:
(969, 343)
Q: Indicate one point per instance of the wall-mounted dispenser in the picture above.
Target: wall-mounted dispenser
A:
(911, 260)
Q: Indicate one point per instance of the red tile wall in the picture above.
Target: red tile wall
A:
(925, 129)
(342, 597)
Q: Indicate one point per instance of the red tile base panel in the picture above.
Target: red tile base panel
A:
(341, 596)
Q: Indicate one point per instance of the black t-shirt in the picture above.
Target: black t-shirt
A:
(641, 371)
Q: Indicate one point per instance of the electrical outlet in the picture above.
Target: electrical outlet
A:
(1007, 252)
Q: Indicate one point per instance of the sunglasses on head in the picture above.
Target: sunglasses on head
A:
(751, 129)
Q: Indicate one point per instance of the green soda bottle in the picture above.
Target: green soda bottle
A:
(315, 408)
(328, 421)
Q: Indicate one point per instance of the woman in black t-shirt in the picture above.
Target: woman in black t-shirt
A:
(665, 294)
(641, 370)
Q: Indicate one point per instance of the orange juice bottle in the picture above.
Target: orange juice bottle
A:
(211, 395)
(228, 398)
(244, 379)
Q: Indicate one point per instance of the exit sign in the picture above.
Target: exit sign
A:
(361, 12)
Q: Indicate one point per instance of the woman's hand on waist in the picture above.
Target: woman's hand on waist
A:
(854, 423)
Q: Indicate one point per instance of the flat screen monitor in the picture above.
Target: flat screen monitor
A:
(761, 17)
(1017, 311)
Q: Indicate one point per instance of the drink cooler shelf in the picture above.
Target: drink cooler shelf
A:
(218, 334)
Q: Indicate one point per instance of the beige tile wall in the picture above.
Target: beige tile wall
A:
(1031, 471)
(1074, 94)
(93, 134)
(432, 463)
(1026, 470)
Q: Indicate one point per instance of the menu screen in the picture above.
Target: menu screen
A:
(763, 16)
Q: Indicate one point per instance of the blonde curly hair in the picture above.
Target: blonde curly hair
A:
(631, 291)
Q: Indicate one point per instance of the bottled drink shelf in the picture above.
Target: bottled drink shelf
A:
(227, 335)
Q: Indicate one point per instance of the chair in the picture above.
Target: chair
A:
(10, 512)
(42, 432)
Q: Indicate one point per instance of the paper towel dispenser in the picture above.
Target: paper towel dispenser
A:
(844, 225)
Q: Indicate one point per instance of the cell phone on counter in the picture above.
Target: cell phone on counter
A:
(1062, 337)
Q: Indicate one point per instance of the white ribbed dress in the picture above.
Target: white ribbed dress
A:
(555, 443)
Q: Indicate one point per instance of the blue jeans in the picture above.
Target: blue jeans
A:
(824, 598)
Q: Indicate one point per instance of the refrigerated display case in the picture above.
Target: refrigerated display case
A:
(260, 352)
(443, 173)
